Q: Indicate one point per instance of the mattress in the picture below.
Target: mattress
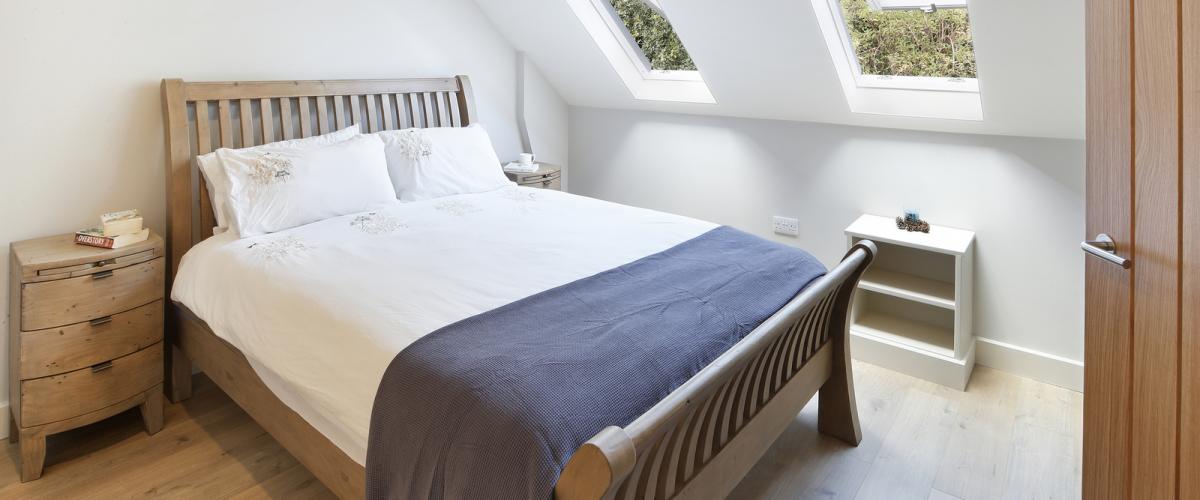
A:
(320, 310)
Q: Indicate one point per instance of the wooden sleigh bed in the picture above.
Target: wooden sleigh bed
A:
(698, 442)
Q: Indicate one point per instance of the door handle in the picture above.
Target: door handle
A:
(1105, 248)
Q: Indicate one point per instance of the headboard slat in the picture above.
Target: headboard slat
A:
(372, 113)
(455, 113)
(414, 110)
(246, 116)
(203, 134)
(285, 117)
(323, 115)
(427, 110)
(339, 112)
(356, 112)
(444, 109)
(268, 120)
(390, 105)
(305, 117)
(385, 101)
(225, 123)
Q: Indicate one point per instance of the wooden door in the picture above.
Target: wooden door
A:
(1142, 354)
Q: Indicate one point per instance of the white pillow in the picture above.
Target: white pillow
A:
(218, 183)
(435, 162)
(273, 190)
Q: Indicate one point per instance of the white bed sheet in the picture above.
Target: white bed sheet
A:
(320, 310)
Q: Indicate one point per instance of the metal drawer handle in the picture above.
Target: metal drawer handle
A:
(102, 274)
(100, 321)
(99, 367)
(106, 262)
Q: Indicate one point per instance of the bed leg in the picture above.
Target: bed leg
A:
(837, 410)
(179, 375)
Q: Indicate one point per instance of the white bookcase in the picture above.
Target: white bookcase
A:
(912, 312)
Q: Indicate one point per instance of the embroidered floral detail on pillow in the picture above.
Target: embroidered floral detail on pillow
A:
(280, 248)
(270, 168)
(376, 223)
(457, 207)
(415, 144)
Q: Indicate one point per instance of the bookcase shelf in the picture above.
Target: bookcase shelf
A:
(909, 286)
(914, 334)
(913, 310)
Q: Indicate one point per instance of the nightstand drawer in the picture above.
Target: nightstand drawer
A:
(95, 267)
(553, 182)
(59, 397)
(536, 178)
(59, 350)
(74, 300)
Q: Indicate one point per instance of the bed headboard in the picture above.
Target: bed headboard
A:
(199, 117)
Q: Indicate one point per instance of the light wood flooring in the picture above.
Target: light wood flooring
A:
(1006, 437)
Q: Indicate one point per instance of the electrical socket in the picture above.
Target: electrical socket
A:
(788, 226)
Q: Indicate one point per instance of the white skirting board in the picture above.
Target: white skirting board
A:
(1028, 363)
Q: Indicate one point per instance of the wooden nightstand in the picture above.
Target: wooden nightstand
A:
(85, 341)
(547, 177)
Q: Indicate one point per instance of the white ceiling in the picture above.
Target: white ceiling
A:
(767, 59)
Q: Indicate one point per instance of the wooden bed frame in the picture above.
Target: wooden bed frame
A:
(698, 442)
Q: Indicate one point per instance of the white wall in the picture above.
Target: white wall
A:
(547, 118)
(1024, 198)
(82, 126)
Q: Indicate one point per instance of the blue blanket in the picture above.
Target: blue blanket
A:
(494, 405)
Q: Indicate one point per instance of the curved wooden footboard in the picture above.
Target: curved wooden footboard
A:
(701, 439)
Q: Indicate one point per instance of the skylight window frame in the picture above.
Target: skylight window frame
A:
(615, 24)
(891, 97)
(900, 82)
(627, 59)
(916, 4)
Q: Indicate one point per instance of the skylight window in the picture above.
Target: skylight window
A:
(653, 35)
(904, 57)
(894, 38)
(638, 40)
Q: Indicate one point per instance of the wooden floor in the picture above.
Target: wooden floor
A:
(1006, 437)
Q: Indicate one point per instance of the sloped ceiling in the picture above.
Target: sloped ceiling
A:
(767, 59)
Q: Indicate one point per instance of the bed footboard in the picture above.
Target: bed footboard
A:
(705, 436)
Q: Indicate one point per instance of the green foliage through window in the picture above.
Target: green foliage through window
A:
(654, 35)
(910, 43)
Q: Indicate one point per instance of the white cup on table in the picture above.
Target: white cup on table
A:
(526, 158)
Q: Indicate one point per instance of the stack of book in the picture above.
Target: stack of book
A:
(117, 229)
(517, 167)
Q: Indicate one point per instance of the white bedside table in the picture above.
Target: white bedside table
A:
(913, 310)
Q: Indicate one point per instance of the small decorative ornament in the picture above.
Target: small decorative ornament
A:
(911, 222)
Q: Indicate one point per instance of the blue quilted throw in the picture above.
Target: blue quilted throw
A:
(493, 406)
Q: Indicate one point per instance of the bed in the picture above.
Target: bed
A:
(698, 441)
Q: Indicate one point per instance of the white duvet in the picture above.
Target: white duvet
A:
(320, 310)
